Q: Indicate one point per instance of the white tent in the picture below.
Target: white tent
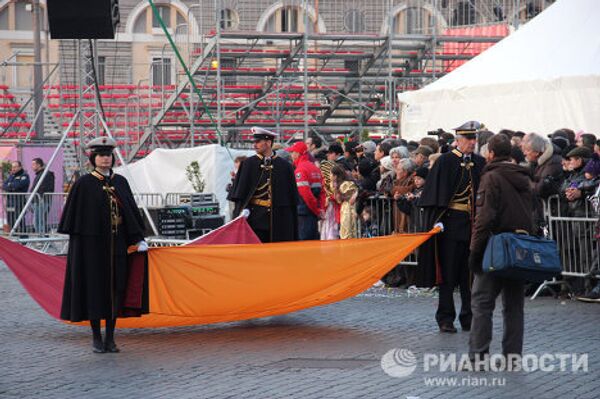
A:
(163, 171)
(541, 78)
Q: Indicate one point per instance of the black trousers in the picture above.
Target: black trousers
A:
(308, 227)
(454, 257)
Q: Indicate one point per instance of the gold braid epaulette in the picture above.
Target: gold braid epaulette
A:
(113, 200)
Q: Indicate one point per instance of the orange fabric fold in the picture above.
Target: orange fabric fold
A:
(223, 283)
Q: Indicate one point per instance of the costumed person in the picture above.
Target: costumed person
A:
(265, 185)
(309, 183)
(449, 197)
(104, 224)
(346, 193)
(330, 223)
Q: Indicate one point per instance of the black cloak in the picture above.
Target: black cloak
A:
(440, 186)
(86, 218)
(284, 212)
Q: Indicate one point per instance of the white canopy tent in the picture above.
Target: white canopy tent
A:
(541, 78)
(163, 171)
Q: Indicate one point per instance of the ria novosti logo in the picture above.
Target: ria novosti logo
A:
(402, 362)
(398, 363)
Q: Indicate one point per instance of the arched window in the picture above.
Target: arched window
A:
(23, 16)
(288, 19)
(229, 19)
(413, 20)
(354, 21)
(147, 22)
(464, 14)
(4, 19)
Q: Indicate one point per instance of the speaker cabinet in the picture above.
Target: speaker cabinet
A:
(83, 19)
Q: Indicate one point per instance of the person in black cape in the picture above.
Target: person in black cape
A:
(102, 220)
(449, 197)
(266, 186)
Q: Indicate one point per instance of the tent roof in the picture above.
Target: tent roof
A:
(562, 41)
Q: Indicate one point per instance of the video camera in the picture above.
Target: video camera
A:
(437, 132)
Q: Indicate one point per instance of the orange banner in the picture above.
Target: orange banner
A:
(222, 283)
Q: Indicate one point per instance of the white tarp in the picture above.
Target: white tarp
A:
(541, 78)
(163, 171)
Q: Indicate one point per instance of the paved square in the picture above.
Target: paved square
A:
(332, 351)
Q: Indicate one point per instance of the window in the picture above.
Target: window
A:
(23, 16)
(139, 25)
(4, 19)
(289, 19)
(413, 20)
(464, 14)
(229, 19)
(165, 14)
(101, 69)
(23, 72)
(354, 21)
(161, 71)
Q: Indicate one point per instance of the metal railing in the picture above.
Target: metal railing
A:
(571, 225)
(43, 215)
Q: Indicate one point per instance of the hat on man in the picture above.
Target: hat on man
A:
(102, 144)
(559, 133)
(298, 147)
(424, 150)
(580, 152)
(422, 172)
(258, 133)
(469, 129)
(368, 146)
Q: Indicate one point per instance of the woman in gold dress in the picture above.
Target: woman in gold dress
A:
(346, 192)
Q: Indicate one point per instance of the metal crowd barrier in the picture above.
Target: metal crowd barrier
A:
(574, 229)
(42, 217)
(385, 219)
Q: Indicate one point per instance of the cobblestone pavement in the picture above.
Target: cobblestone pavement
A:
(333, 351)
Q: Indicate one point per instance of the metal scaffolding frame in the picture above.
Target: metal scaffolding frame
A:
(332, 100)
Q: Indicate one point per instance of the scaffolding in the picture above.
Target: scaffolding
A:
(326, 67)
(296, 75)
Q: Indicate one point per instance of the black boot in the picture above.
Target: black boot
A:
(109, 342)
(97, 345)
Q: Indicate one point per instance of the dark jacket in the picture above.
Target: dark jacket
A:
(17, 183)
(47, 185)
(547, 174)
(504, 204)
(282, 218)
(577, 208)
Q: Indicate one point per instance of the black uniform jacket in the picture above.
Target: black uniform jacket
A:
(441, 185)
(284, 213)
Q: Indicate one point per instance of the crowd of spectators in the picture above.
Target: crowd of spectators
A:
(377, 183)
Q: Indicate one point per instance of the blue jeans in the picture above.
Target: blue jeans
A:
(40, 216)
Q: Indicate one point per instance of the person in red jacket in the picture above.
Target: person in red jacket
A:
(310, 187)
